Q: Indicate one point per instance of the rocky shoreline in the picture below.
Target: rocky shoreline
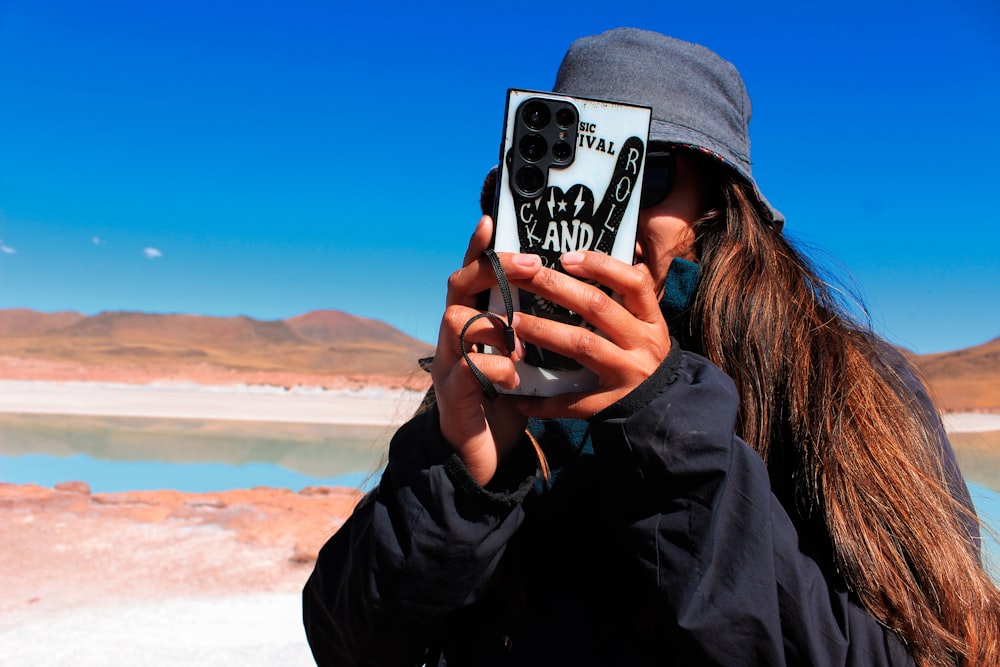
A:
(171, 578)
(93, 562)
(139, 544)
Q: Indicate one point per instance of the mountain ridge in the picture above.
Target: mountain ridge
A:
(966, 380)
(320, 347)
(317, 347)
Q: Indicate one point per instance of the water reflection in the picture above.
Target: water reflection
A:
(126, 453)
(132, 454)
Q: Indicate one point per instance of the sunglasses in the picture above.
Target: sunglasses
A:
(658, 178)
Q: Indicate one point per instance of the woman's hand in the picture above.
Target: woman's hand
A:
(481, 432)
(635, 337)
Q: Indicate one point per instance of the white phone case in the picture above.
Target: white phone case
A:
(549, 203)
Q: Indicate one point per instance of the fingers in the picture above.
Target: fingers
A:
(615, 320)
(454, 380)
(482, 331)
(466, 284)
(591, 349)
(633, 337)
(480, 240)
(450, 359)
(460, 385)
(632, 342)
(633, 283)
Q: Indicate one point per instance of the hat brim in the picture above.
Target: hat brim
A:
(677, 135)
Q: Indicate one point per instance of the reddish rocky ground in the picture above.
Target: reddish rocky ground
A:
(65, 547)
(113, 579)
(159, 578)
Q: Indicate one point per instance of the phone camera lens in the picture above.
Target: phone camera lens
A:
(533, 147)
(565, 118)
(529, 180)
(561, 151)
(536, 115)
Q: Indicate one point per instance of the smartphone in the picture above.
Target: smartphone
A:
(569, 178)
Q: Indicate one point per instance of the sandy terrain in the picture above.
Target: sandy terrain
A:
(159, 578)
(971, 422)
(166, 578)
(366, 405)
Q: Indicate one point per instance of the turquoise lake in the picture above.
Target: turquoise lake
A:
(113, 454)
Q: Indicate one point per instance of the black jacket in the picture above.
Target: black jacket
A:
(658, 541)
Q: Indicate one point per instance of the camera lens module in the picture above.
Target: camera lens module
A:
(536, 114)
(561, 151)
(530, 180)
(565, 117)
(533, 147)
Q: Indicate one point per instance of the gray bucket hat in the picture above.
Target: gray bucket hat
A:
(698, 98)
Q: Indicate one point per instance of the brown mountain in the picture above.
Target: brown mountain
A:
(964, 380)
(320, 347)
(337, 327)
(24, 322)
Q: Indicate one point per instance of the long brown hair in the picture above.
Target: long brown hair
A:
(852, 451)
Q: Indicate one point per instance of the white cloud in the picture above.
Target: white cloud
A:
(96, 240)
(152, 253)
(6, 249)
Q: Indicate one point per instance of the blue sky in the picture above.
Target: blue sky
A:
(271, 158)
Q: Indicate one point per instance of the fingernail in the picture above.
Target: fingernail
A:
(572, 258)
(526, 259)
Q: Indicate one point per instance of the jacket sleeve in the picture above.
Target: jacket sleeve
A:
(422, 544)
(734, 586)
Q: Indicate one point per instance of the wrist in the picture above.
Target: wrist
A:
(480, 461)
(641, 395)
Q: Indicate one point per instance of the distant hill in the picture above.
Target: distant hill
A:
(964, 380)
(313, 347)
(318, 348)
(22, 322)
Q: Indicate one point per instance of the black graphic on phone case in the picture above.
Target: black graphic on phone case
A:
(557, 222)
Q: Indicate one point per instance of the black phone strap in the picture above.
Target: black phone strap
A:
(509, 336)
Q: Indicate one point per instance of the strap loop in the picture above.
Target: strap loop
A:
(509, 336)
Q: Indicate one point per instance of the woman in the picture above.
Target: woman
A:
(757, 479)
